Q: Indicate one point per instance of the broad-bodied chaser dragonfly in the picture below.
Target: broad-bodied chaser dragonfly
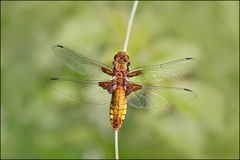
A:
(142, 91)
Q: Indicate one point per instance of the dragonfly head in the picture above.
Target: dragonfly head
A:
(121, 61)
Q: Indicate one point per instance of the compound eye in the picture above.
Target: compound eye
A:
(126, 58)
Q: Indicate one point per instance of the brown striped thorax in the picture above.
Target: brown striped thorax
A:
(120, 74)
(120, 69)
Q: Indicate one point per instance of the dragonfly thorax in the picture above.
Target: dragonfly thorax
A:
(120, 79)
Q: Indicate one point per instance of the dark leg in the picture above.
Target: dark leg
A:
(107, 71)
(134, 73)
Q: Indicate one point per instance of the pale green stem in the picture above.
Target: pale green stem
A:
(116, 144)
(130, 22)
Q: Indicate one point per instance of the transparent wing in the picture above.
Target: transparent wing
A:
(158, 96)
(156, 74)
(84, 91)
(91, 69)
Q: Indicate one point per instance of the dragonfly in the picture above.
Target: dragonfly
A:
(140, 87)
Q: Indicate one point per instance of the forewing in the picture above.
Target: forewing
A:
(90, 68)
(156, 74)
(84, 91)
(158, 96)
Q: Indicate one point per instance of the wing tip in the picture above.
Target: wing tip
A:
(54, 78)
(189, 90)
(57, 46)
(194, 95)
(189, 58)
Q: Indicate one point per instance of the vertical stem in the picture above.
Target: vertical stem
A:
(130, 21)
(116, 144)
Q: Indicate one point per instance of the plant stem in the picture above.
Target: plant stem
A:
(116, 144)
(130, 21)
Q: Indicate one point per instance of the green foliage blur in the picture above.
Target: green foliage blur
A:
(37, 122)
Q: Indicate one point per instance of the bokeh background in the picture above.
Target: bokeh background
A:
(39, 123)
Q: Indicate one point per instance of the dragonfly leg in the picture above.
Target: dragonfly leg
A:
(134, 73)
(107, 71)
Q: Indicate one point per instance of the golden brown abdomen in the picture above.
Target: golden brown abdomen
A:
(118, 107)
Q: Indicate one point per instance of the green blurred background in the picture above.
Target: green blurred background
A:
(39, 123)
